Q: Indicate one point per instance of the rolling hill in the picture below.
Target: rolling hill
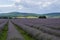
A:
(49, 15)
(53, 15)
(18, 14)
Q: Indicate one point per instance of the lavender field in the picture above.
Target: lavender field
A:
(30, 29)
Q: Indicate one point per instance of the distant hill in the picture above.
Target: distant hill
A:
(18, 14)
(49, 15)
(53, 15)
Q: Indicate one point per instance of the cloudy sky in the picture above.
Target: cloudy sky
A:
(30, 6)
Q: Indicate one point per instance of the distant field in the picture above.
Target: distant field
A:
(30, 28)
(27, 17)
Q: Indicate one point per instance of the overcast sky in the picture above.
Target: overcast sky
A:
(30, 6)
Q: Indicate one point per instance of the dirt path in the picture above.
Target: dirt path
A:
(13, 34)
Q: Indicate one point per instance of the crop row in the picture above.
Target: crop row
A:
(35, 33)
(13, 34)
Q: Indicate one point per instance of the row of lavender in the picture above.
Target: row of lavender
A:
(38, 28)
(51, 23)
(12, 33)
(2, 23)
(53, 28)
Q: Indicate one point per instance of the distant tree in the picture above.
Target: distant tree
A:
(42, 17)
(10, 17)
(3, 17)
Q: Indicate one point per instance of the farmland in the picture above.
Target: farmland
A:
(30, 29)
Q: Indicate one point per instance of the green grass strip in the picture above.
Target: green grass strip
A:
(3, 33)
(24, 34)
